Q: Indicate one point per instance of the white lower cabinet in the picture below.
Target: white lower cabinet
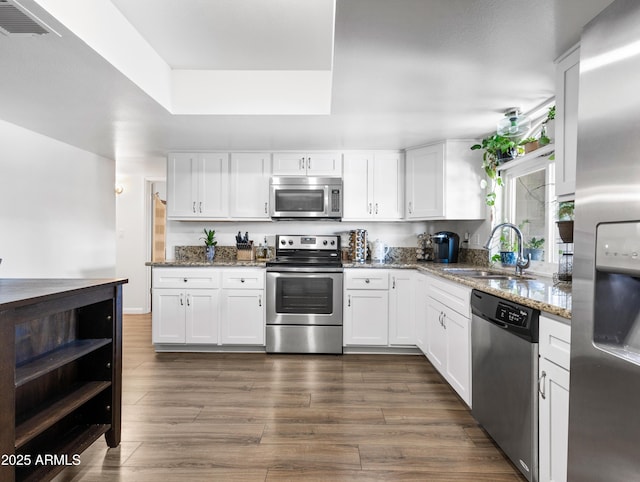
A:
(208, 306)
(366, 307)
(185, 316)
(448, 334)
(553, 399)
(420, 314)
(402, 325)
(242, 317)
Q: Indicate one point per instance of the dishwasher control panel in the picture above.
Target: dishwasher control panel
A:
(512, 315)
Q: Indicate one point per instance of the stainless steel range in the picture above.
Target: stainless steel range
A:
(304, 295)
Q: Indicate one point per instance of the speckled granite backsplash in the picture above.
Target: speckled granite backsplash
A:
(477, 257)
(196, 253)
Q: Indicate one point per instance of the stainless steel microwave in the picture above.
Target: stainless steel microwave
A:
(294, 197)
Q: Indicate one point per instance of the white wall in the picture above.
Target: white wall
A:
(57, 208)
(133, 242)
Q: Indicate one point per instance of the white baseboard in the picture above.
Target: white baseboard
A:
(134, 311)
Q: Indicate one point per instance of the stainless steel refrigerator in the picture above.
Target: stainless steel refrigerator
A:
(604, 406)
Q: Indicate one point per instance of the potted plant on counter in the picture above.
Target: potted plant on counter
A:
(508, 249)
(534, 247)
(209, 243)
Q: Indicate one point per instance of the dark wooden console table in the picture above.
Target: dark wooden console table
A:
(60, 372)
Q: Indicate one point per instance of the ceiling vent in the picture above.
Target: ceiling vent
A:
(15, 20)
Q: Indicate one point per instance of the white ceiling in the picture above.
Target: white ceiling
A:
(405, 72)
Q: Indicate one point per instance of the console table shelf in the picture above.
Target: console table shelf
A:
(60, 372)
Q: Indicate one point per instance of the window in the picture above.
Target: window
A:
(529, 202)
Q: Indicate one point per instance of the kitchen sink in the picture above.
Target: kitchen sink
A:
(484, 274)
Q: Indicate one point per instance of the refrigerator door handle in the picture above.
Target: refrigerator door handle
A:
(541, 384)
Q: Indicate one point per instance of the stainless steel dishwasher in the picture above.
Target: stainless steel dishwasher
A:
(504, 353)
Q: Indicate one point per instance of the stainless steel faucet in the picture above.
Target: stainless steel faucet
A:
(521, 262)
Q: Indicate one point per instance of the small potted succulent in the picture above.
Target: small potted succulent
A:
(530, 144)
(210, 243)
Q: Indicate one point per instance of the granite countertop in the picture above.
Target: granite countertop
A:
(539, 293)
(261, 263)
(535, 292)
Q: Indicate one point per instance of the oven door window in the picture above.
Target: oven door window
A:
(304, 296)
(300, 200)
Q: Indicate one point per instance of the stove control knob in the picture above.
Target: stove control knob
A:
(283, 242)
(333, 243)
(290, 242)
(324, 242)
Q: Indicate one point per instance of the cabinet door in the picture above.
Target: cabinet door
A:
(358, 190)
(436, 338)
(366, 317)
(289, 164)
(388, 194)
(249, 176)
(201, 317)
(458, 362)
(168, 316)
(213, 193)
(242, 317)
(421, 299)
(554, 421)
(402, 308)
(182, 185)
(425, 182)
(324, 164)
(566, 124)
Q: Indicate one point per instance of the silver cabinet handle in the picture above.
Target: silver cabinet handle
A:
(301, 167)
(185, 280)
(259, 300)
(194, 206)
(444, 321)
(367, 281)
(440, 318)
(200, 206)
(181, 299)
(309, 163)
(393, 284)
(265, 208)
(241, 280)
(349, 300)
(376, 208)
(370, 208)
(541, 383)
(410, 208)
(188, 300)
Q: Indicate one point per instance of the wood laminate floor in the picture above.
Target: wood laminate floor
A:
(256, 417)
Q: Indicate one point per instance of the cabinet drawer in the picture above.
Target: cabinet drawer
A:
(555, 341)
(186, 278)
(366, 279)
(452, 295)
(243, 278)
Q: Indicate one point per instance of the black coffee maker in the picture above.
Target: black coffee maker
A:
(445, 247)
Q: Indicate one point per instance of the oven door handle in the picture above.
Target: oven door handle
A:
(302, 270)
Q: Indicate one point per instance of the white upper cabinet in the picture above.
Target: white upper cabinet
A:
(443, 182)
(249, 185)
(197, 186)
(307, 164)
(373, 186)
(566, 135)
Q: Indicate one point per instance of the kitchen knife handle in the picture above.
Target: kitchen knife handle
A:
(541, 383)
